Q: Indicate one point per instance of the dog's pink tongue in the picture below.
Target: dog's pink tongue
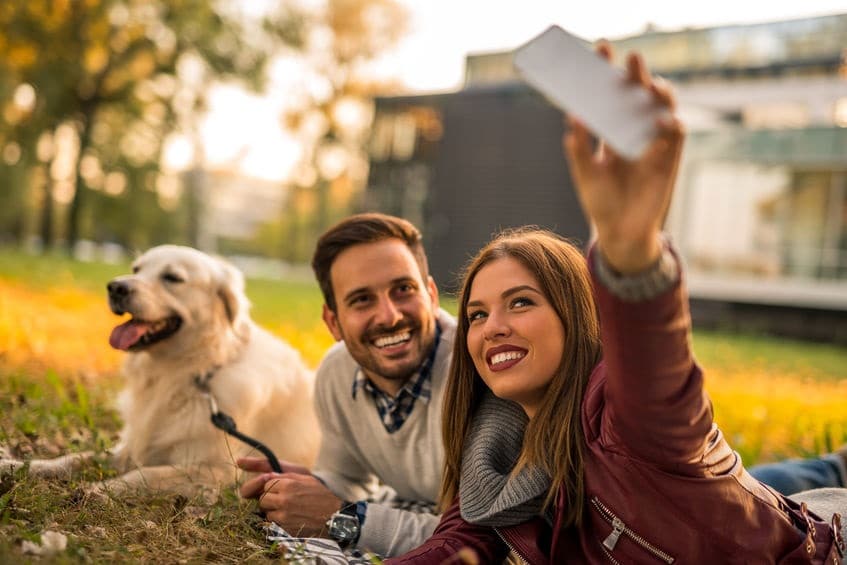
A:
(125, 335)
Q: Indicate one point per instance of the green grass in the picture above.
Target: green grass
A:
(299, 304)
(295, 302)
(45, 416)
(724, 351)
(773, 398)
(56, 270)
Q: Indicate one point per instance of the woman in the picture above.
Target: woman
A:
(563, 451)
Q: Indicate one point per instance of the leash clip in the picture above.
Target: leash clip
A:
(213, 406)
(202, 384)
(225, 422)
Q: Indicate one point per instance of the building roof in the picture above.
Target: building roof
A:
(724, 51)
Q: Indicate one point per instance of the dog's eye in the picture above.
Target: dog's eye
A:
(172, 278)
(135, 270)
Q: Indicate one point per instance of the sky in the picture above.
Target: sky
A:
(443, 31)
(244, 129)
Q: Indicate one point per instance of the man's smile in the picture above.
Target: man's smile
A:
(393, 339)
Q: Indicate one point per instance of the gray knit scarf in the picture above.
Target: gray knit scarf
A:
(488, 494)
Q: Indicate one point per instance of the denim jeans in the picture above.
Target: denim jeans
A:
(795, 475)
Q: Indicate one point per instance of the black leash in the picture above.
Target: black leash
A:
(227, 424)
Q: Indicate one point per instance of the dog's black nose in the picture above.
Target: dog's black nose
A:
(117, 290)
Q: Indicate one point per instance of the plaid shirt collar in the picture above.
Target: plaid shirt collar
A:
(394, 410)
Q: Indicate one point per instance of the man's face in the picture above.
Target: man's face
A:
(385, 310)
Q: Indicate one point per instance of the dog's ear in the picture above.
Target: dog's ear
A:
(231, 292)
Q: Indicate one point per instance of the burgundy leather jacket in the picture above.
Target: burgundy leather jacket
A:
(662, 485)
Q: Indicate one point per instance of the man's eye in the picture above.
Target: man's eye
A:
(359, 301)
(172, 278)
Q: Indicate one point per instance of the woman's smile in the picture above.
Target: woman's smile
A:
(503, 357)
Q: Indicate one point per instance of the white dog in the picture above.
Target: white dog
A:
(190, 334)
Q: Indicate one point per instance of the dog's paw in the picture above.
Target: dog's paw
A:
(92, 493)
(9, 466)
(98, 493)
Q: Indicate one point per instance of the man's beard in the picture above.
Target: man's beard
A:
(374, 364)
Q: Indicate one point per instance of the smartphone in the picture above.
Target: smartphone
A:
(577, 80)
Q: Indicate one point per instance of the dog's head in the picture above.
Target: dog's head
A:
(176, 295)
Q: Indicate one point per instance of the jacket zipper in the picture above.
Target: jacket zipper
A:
(511, 547)
(609, 555)
(619, 528)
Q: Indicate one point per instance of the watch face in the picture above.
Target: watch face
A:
(343, 528)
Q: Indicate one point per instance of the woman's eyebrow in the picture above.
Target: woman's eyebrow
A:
(507, 292)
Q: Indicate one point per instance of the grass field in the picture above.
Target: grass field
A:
(58, 377)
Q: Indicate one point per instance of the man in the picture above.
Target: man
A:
(378, 399)
(377, 394)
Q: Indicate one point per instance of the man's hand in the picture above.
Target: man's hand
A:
(254, 487)
(301, 504)
(628, 200)
(294, 499)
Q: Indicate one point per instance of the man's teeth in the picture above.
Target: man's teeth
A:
(392, 339)
(507, 356)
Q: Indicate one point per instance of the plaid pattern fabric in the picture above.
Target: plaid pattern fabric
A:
(324, 551)
(416, 506)
(315, 551)
(394, 410)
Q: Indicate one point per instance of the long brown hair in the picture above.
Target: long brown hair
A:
(553, 439)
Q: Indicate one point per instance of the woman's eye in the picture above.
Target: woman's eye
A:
(172, 278)
(474, 316)
(521, 302)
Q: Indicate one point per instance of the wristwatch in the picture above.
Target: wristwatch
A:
(346, 524)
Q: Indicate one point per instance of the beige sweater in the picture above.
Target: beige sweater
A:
(359, 459)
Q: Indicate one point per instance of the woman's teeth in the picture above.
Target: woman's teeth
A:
(507, 356)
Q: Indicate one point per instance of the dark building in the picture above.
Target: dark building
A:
(465, 165)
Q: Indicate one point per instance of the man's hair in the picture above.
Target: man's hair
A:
(369, 227)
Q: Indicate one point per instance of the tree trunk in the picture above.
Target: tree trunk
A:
(46, 228)
(22, 187)
(12, 201)
(291, 219)
(322, 215)
(78, 201)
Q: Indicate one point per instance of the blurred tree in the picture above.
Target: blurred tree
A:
(18, 150)
(120, 75)
(332, 114)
